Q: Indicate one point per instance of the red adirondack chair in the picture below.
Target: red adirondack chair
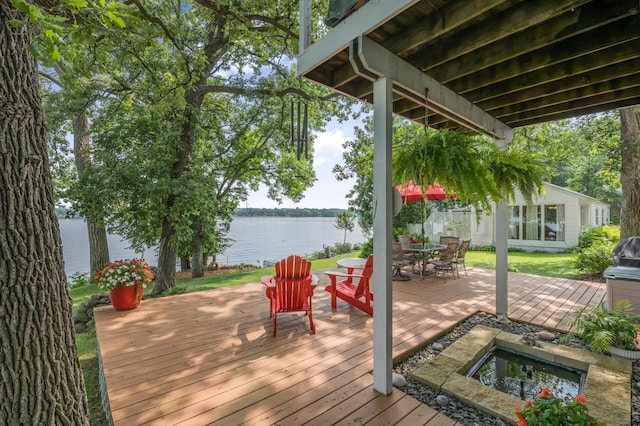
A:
(354, 288)
(291, 288)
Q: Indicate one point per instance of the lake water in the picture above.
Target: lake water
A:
(255, 239)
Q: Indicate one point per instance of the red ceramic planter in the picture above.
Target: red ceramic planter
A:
(125, 298)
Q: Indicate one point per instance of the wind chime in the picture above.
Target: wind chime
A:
(299, 133)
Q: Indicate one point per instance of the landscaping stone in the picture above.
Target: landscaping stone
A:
(546, 335)
(83, 319)
(470, 416)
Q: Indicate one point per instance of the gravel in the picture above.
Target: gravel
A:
(457, 410)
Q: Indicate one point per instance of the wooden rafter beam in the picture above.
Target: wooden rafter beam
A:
(548, 36)
(502, 26)
(589, 49)
(434, 25)
(628, 71)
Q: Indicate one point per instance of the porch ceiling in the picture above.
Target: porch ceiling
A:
(523, 62)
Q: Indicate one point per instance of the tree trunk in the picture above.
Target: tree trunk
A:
(630, 172)
(197, 269)
(41, 378)
(98, 246)
(194, 97)
(185, 263)
(166, 277)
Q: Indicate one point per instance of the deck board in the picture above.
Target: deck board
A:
(210, 357)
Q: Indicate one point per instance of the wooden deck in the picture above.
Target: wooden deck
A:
(210, 358)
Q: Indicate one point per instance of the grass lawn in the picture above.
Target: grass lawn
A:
(546, 264)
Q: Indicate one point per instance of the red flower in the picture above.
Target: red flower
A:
(545, 393)
(528, 403)
(522, 422)
(581, 399)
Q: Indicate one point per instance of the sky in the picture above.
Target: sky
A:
(327, 192)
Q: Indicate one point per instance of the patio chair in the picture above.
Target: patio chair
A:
(291, 289)
(405, 241)
(400, 259)
(445, 239)
(356, 294)
(445, 263)
(459, 257)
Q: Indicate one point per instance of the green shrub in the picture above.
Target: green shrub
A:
(600, 328)
(595, 259)
(79, 280)
(483, 248)
(341, 248)
(601, 234)
(399, 231)
(367, 248)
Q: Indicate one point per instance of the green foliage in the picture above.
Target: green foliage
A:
(174, 290)
(582, 154)
(412, 212)
(594, 260)
(358, 165)
(488, 248)
(345, 221)
(547, 410)
(600, 328)
(470, 166)
(341, 248)
(598, 235)
(594, 253)
(367, 248)
(80, 280)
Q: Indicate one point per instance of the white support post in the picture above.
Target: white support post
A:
(382, 235)
(304, 38)
(502, 287)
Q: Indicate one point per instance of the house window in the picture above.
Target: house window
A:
(584, 217)
(514, 223)
(554, 222)
(597, 217)
(531, 223)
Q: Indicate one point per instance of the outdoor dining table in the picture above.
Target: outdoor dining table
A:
(351, 264)
(425, 252)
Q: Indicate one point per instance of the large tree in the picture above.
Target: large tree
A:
(67, 111)
(41, 377)
(630, 172)
(203, 117)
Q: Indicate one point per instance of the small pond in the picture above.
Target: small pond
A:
(523, 376)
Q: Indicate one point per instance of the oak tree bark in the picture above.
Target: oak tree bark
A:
(630, 172)
(41, 381)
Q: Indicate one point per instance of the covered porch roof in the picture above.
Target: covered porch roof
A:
(485, 65)
(522, 62)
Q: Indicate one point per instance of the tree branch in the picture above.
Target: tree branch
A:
(50, 78)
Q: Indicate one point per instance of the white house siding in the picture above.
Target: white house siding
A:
(483, 232)
(555, 195)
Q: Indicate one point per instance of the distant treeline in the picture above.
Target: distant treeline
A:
(285, 212)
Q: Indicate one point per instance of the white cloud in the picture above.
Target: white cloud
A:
(327, 192)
